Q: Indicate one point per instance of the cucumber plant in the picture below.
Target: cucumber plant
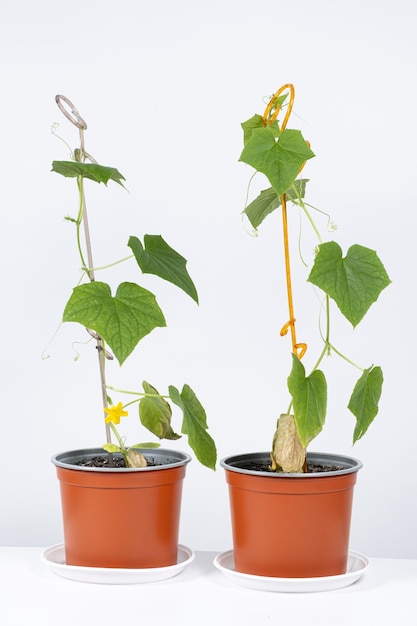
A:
(117, 320)
(350, 282)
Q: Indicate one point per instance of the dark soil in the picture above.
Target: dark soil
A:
(256, 466)
(312, 468)
(103, 461)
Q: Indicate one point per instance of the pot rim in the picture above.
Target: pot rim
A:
(350, 465)
(169, 459)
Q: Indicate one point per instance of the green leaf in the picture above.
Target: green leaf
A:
(297, 190)
(257, 121)
(122, 321)
(93, 171)
(194, 425)
(309, 395)
(354, 282)
(364, 400)
(158, 258)
(268, 201)
(155, 413)
(280, 160)
(146, 444)
(111, 447)
(263, 205)
(252, 124)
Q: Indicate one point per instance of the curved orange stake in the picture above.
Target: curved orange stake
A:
(268, 120)
(298, 348)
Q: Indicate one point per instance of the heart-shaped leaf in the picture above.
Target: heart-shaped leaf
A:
(364, 400)
(354, 282)
(122, 321)
(158, 258)
(155, 413)
(309, 395)
(93, 171)
(194, 425)
(279, 159)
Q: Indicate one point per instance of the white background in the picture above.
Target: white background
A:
(164, 87)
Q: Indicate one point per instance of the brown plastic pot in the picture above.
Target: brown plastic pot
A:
(291, 525)
(126, 518)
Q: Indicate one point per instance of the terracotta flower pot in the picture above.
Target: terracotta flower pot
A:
(291, 525)
(127, 518)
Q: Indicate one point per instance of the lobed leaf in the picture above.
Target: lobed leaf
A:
(194, 425)
(155, 413)
(122, 321)
(354, 282)
(158, 258)
(309, 395)
(279, 159)
(93, 171)
(364, 400)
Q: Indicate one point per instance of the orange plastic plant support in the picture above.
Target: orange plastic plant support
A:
(298, 349)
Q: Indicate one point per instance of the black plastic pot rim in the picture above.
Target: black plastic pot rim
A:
(349, 465)
(166, 459)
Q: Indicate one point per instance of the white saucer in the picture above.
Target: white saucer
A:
(357, 564)
(54, 557)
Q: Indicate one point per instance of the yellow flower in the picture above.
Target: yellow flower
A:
(114, 413)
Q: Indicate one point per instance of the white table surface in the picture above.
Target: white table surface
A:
(31, 595)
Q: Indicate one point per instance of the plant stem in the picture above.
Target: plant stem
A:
(345, 358)
(118, 437)
(141, 395)
(310, 219)
(83, 219)
(104, 267)
(328, 346)
(326, 338)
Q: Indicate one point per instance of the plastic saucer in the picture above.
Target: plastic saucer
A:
(357, 564)
(54, 558)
